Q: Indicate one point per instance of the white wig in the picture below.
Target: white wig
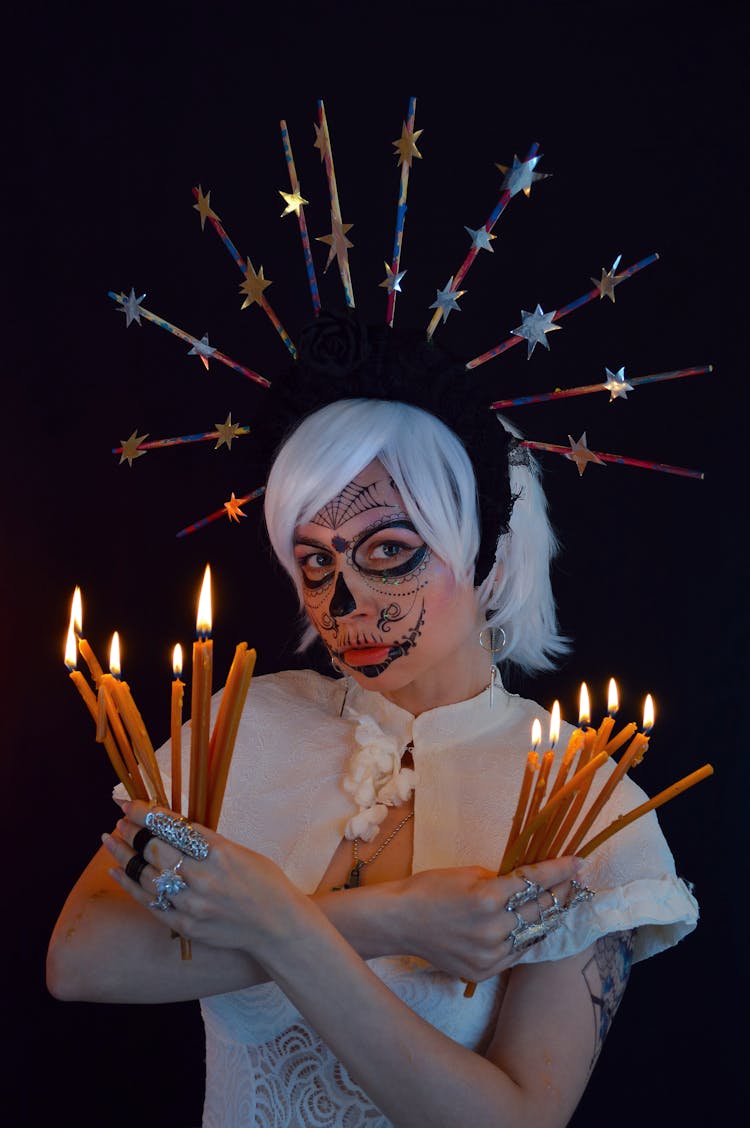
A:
(433, 473)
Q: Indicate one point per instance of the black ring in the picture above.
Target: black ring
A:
(135, 867)
(142, 839)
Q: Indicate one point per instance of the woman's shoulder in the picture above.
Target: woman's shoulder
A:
(299, 688)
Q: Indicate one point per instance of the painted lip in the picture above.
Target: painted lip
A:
(365, 655)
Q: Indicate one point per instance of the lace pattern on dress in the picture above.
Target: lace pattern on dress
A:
(292, 1079)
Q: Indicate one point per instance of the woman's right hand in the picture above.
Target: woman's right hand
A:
(459, 921)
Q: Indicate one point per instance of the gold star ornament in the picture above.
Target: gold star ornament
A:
(130, 447)
(337, 241)
(234, 512)
(406, 146)
(226, 432)
(606, 284)
(253, 286)
(321, 143)
(293, 200)
(204, 208)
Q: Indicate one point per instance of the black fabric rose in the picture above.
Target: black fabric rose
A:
(334, 345)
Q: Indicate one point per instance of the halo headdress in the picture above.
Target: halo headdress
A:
(337, 356)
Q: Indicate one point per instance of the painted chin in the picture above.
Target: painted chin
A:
(371, 661)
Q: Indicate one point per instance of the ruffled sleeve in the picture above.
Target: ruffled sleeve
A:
(636, 888)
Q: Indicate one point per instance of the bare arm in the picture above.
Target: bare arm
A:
(109, 947)
(242, 913)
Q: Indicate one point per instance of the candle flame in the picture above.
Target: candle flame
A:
(71, 648)
(114, 656)
(177, 660)
(613, 698)
(584, 709)
(203, 620)
(554, 725)
(648, 713)
(536, 733)
(76, 612)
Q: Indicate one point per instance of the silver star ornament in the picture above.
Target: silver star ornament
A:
(534, 327)
(617, 385)
(447, 300)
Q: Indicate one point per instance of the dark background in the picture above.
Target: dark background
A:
(113, 113)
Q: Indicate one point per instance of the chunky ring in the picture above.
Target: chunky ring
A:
(529, 932)
(178, 832)
(523, 896)
(168, 884)
(578, 894)
(142, 839)
(135, 867)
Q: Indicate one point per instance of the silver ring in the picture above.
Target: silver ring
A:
(578, 894)
(178, 832)
(530, 892)
(168, 884)
(529, 932)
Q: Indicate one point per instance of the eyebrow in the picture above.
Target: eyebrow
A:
(397, 523)
(312, 543)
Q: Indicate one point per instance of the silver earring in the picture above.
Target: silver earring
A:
(492, 639)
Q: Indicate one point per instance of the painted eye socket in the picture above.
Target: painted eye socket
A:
(316, 567)
(388, 558)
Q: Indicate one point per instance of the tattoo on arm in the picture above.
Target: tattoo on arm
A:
(606, 976)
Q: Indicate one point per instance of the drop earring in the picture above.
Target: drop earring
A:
(492, 639)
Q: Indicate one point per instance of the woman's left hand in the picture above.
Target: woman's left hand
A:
(232, 898)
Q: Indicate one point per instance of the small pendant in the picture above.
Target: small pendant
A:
(493, 679)
(353, 881)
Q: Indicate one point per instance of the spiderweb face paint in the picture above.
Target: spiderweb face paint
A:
(354, 499)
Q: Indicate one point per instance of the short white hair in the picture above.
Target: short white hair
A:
(432, 471)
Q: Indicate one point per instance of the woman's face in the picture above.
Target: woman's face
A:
(386, 606)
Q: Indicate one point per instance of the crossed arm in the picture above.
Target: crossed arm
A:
(247, 923)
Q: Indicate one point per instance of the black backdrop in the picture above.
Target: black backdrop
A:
(113, 114)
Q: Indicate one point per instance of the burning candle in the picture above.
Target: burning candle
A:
(605, 728)
(632, 756)
(200, 715)
(90, 701)
(178, 692)
(540, 789)
(576, 801)
(584, 720)
(545, 839)
(582, 778)
(143, 750)
(108, 714)
(76, 619)
(532, 763)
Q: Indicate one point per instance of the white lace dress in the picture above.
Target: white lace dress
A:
(264, 1064)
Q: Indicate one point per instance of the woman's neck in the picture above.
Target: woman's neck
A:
(461, 676)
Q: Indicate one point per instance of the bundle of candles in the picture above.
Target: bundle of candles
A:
(558, 827)
(121, 729)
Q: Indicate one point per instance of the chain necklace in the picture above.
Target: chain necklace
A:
(354, 874)
(353, 880)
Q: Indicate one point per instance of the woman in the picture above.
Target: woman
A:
(353, 889)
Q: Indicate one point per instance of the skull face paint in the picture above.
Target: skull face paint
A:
(375, 592)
